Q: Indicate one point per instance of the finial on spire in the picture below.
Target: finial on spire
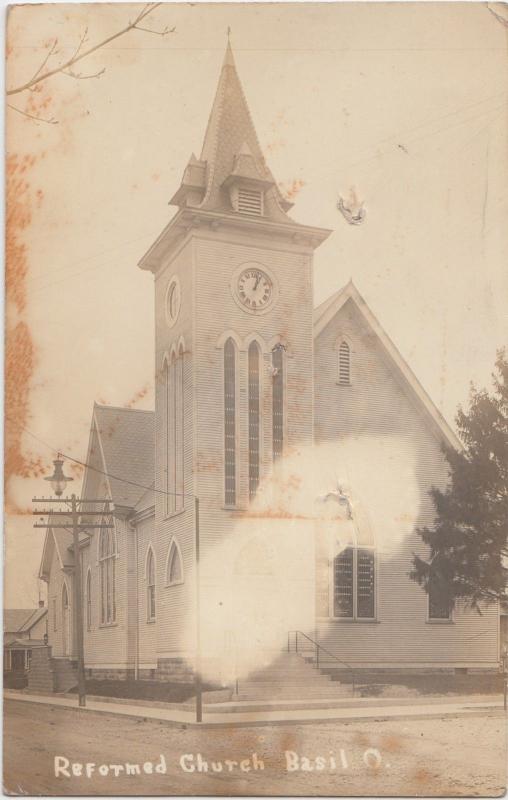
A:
(228, 58)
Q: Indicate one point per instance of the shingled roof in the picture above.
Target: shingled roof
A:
(127, 439)
(20, 620)
(231, 147)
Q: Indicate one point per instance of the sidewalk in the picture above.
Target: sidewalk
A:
(363, 709)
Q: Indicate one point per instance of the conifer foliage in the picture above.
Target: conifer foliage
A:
(468, 543)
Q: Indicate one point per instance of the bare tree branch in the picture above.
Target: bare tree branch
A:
(48, 56)
(38, 77)
(78, 76)
(50, 121)
(157, 33)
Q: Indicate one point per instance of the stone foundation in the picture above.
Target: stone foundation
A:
(175, 670)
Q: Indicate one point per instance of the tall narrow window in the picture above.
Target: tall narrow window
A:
(354, 583)
(167, 429)
(173, 441)
(343, 584)
(150, 586)
(344, 364)
(107, 575)
(229, 423)
(364, 583)
(179, 431)
(254, 417)
(55, 627)
(174, 569)
(440, 605)
(89, 600)
(277, 401)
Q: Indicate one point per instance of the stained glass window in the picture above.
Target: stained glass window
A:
(254, 417)
(175, 571)
(107, 574)
(354, 584)
(277, 402)
(150, 585)
(229, 423)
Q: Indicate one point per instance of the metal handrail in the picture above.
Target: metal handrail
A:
(318, 648)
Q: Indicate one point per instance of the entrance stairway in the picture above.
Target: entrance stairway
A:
(289, 677)
(48, 675)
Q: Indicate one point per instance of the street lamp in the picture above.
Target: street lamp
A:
(77, 510)
(58, 480)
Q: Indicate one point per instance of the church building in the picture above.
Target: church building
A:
(279, 484)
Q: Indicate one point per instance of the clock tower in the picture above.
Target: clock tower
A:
(234, 369)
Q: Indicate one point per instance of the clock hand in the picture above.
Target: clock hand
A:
(257, 281)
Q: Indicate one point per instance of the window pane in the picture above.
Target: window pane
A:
(103, 591)
(254, 411)
(439, 600)
(277, 402)
(343, 584)
(365, 584)
(175, 566)
(229, 424)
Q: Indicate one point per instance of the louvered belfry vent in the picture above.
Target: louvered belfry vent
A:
(250, 201)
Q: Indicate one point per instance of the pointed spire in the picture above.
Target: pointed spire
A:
(230, 132)
(229, 60)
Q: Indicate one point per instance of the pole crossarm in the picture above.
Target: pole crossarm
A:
(98, 501)
(69, 525)
(49, 511)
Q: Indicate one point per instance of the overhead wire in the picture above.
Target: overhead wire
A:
(87, 465)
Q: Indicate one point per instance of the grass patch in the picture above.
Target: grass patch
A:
(143, 690)
(430, 683)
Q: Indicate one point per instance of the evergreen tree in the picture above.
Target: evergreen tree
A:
(468, 543)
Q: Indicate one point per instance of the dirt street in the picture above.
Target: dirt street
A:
(450, 756)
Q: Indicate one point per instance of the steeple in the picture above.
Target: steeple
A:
(231, 175)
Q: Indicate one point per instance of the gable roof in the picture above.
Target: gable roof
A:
(323, 315)
(21, 620)
(127, 443)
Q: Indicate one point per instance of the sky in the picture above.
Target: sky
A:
(403, 105)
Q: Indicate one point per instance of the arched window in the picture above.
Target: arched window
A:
(254, 417)
(277, 401)
(174, 568)
(172, 413)
(89, 600)
(344, 364)
(229, 423)
(150, 586)
(166, 435)
(107, 574)
(179, 430)
(66, 622)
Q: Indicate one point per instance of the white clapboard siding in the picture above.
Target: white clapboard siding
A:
(377, 405)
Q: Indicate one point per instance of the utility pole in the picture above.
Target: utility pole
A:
(78, 515)
(197, 674)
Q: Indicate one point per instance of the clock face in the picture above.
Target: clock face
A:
(254, 289)
(173, 299)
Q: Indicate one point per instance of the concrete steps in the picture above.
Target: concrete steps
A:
(289, 677)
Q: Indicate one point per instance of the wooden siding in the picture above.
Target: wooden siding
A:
(147, 629)
(173, 602)
(376, 405)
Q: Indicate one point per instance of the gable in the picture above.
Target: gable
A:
(126, 444)
(347, 310)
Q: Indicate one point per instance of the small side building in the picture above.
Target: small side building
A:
(24, 630)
